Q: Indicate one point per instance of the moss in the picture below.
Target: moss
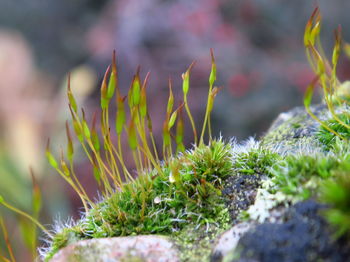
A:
(335, 192)
(64, 238)
(187, 193)
(328, 138)
(195, 243)
(301, 175)
(256, 161)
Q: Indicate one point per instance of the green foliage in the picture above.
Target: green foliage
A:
(336, 193)
(300, 175)
(256, 161)
(327, 138)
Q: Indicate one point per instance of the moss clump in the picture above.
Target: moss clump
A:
(188, 192)
(336, 193)
(300, 175)
(256, 161)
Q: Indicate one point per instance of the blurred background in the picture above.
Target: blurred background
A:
(258, 45)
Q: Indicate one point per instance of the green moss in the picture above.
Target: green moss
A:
(328, 138)
(335, 192)
(301, 175)
(256, 161)
(188, 192)
(195, 243)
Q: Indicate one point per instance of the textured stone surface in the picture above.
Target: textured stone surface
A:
(292, 131)
(302, 236)
(229, 240)
(121, 249)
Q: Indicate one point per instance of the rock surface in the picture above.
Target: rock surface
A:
(303, 236)
(122, 249)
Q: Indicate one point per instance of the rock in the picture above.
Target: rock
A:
(121, 249)
(229, 240)
(303, 236)
(293, 131)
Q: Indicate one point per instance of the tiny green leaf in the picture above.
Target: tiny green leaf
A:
(172, 120)
(113, 81)
(212, 76)
(104, 96)
(70, 148)
(211, 99)
(179, 128)
(86, 129)
(347, 49)
(78, 130)
(143, 98)
(120, 116)
(186, 79)
(71, 98)
(94, 135)
(170, 99)
(308, 35)
(65, 168)
(149, 123)
(336, 50)
(97, 174)
(50, 157)
(134, 92)
(166, 134)
(315, 31)
(132, 137)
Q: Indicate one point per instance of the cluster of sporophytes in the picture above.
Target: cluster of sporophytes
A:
(184, 188)
(332, 129)
(335, 93)
(173, 188)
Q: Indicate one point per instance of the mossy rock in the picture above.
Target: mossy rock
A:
(275, 186)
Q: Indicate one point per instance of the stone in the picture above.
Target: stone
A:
(149, 248)
(229, 240)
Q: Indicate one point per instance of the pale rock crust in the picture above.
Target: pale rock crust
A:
(120, 249)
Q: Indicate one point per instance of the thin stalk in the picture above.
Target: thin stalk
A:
(20, 212)
(121, 160)
(71, 183)
(322, 123)
(154, 146)
(7, 241)
(206, 118)
(76, 180)
(113, 164)
(4, 259)
(191, 120)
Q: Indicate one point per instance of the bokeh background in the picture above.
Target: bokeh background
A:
(258, 45)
